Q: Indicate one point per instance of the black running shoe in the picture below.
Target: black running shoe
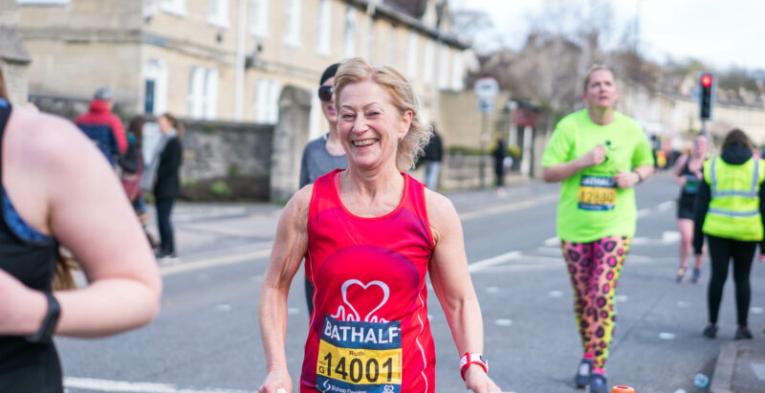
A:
(710, 331)
(582, 377)
(598, 384)
(743, 333)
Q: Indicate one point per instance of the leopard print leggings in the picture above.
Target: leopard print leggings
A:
(594, 269)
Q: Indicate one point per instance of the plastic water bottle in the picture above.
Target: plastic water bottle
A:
(700, 381)
(622, 389)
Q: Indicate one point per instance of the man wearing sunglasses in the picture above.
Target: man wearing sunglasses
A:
(325, 153)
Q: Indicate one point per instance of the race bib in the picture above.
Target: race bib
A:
(359, 357)
(691, 184)
(597, 193)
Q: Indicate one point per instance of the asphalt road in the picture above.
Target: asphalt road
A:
(207, 340)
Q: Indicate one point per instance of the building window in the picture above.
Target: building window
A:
(177, 7)
(203, 93)
(155, 87)
(324, 33)
(350, 32)
(458, 71)
(259, 20)
(428, 62)
(391, 55)
(411, 56)
(42, 2)
(219, 13)
(443, 67)
(368, 44)
(266, 101)
(292, 22)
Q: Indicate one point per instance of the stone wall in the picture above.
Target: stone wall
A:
(226, 161)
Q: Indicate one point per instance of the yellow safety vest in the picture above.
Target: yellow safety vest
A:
(734, 211)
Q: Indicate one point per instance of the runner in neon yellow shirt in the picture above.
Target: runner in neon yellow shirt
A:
(598, 155)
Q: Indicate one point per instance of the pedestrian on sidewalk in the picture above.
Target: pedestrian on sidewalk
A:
(499, 153)
(370, 234)
(599, 155)
(67, 196)
(432, 156)
(730, 207)
(687, 171)
(325, 153)
(102, 126)
(167, 184)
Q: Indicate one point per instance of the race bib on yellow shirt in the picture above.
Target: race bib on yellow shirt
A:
(359, 357)
(597, 193)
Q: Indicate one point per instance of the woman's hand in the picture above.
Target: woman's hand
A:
(477, 381)
(626, 179)
(22, 309)
(594, 157)
(277, 381)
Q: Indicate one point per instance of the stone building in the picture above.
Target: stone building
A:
(14, 58)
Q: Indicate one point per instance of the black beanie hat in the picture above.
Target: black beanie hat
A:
(328, 73)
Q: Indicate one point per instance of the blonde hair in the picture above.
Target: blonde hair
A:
(3, 89)
(402, 95)
(593, 68)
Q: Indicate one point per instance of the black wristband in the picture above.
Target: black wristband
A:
(48, 326)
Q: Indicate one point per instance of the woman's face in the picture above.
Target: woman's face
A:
(601, 90)
(328, 107)
(701, 146)
(370, 125)
(164, 124)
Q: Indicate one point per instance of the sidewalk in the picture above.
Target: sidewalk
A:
(740, 366)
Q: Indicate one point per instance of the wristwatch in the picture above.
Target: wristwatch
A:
(48, 326)
(470, 358)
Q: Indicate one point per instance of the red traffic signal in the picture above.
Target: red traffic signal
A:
(706, 80)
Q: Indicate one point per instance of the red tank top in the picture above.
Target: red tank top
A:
(369, 331)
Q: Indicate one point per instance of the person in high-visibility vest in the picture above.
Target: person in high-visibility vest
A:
(730, 210)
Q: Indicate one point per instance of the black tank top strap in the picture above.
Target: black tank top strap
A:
(5, 114)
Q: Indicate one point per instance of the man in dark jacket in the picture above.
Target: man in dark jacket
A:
(432, 158)
(102, 126)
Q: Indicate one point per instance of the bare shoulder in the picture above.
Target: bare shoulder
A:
(42, 135)
(297, 207)
(441, 211)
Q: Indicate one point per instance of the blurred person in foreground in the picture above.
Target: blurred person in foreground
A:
(69, 196)
(730, 208)
(370, 234)
(599, 155)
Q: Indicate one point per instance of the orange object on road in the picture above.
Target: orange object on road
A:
(622, 389)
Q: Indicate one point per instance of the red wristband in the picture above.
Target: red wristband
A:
(469, 359)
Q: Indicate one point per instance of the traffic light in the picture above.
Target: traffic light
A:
(706, 98)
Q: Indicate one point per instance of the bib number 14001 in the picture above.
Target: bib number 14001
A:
(357, 370)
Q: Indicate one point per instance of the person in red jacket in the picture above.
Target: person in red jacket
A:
(103, 127)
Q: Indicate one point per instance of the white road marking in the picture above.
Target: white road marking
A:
(552, 242)
(683, 304)
(756, 310)
(492, 290)
(503, 322)
(621, 298)
(489, 262)
(555, 294)
(550, 251)
(293, 311)
(759, 370)
(105, 385)
(223, 307)
(664, 206)
(531, 202)
(643, 213)
(666, 336)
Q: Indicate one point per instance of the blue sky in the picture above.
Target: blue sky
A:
(722, 33)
